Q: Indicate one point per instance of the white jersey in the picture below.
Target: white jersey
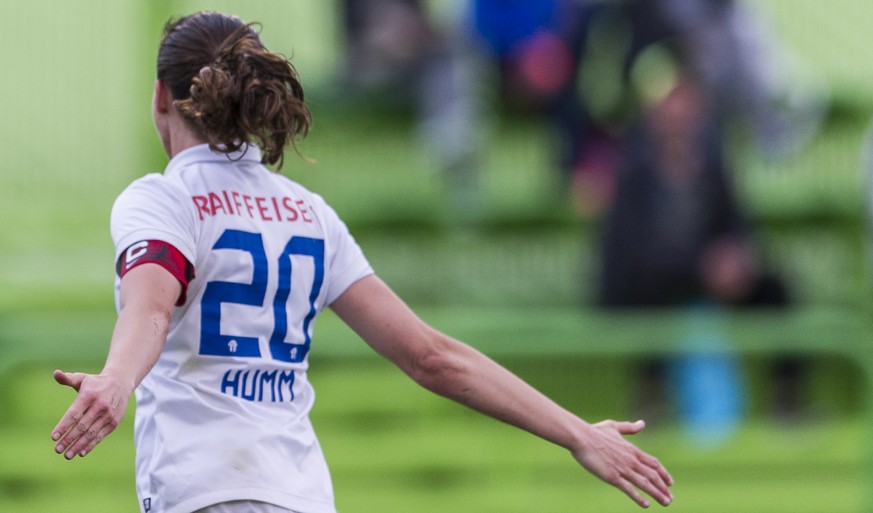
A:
(224, 414)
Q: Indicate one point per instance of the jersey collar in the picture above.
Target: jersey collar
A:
(202, 154)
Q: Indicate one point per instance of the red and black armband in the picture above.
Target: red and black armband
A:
(157, 252)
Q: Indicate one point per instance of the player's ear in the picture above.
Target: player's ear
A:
(162, 99)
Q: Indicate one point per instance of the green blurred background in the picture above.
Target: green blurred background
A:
(77, 129)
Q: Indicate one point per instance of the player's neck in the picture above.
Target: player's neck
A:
(179, 145)
(180, 138)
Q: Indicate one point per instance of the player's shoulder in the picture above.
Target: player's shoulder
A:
(154, 182)
(300, 192)
(151, 188)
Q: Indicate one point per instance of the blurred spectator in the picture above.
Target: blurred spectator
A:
(396, 53)
(675, 233)
(386, 41)
(537, 49)
(542, 53)
(757, 87)
(528, 52)
(675, 236)
(753, 80)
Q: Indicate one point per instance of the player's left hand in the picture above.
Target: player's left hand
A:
(97, 410)
(606, 454)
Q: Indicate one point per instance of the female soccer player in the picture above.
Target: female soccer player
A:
(218, 362)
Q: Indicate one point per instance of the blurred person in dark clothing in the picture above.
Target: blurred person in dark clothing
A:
(675, 236)
(675, 233)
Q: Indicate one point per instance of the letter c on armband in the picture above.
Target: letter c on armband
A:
(135, 251)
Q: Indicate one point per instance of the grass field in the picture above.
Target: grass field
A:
(392, 447)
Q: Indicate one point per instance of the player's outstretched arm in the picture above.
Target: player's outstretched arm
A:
(459, 372)
(147, 296)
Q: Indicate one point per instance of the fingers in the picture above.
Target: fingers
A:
(662, 472)
(70, 419)
(68, 432)
(96, 412)
(78, 434)
(630, 489)
(73, 415)
(652, 482)
(89, 439)
(644, 481)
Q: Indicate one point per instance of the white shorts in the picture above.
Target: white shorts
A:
(244, 507)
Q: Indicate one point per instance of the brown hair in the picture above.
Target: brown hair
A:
(230, 87)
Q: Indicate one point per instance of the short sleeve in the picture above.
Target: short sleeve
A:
(153, 208)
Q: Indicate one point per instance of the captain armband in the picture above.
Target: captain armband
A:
(161, 253)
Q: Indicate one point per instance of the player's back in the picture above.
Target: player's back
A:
(267, 256)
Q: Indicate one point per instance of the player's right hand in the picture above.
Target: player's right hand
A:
(97, 410)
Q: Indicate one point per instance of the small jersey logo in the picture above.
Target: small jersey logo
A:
(147, 504)
(134, 252)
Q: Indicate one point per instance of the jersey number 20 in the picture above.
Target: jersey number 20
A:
(213, 342)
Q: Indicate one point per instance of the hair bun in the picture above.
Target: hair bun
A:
(240, 92)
